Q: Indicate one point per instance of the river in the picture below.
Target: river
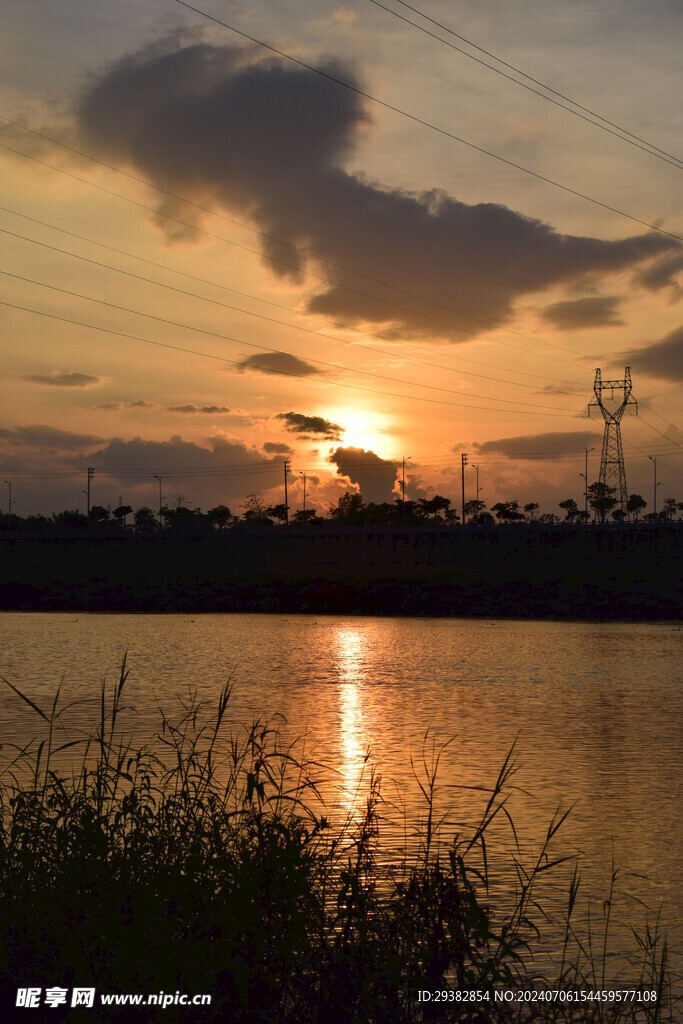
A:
(595, 711)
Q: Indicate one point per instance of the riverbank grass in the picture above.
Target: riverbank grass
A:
(207, 863)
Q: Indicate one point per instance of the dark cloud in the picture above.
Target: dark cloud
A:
(578, 314)
(189, 467)
(117, 406)
(311, 426)
(375, 476)
(64, 380)
(663, 358)
(51, 438)
(277, 448)
(189, 409)
(530, 445)
(278, 362)
(664, 273)
(175, 454)
(218, 125)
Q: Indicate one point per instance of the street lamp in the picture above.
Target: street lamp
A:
(654, 489)
(9, 500)
(157, 477)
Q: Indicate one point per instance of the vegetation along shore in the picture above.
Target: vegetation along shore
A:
(207, 862)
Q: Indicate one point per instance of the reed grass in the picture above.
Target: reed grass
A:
(206, 862)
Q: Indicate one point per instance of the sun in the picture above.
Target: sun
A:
(363, 428)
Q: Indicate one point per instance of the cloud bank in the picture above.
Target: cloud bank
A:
(663, 358)
(64, 380)
(578, 314)
(259, 136)
(278, 362)
(531, 445)
(374, 476)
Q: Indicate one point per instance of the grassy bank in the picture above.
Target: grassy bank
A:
(206, 863)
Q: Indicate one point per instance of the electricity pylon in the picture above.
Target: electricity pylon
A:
(612, 472)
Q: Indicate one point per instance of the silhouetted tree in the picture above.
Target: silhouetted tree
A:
(474, 509)
(145, 520)
(349, 507)
(70, 519)
(219, 517)
(37, 523)
(278, 512)
(99, 515)
(601, 499)
(256, 511)
(120, 513)
(380, 513)
(432, 506)
(669, 508)
(531, 508)
(181, 518)
(307, 516)
(571, 509)
(635, 504)
(507, 511)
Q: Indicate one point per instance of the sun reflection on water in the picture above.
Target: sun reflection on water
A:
(350, 649)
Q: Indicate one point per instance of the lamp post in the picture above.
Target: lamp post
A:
(157, 477)
(654, 489)
(463, 459)
(9, 500)
(304, 476)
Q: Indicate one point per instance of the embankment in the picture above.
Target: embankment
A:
(628, 572)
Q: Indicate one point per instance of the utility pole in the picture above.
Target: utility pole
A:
(304, 476)
(403, 485)
(91, 473)
(9, 501)
(464, 463)
(477, 512)
(287, 468)
(654, 489)
(157, 477)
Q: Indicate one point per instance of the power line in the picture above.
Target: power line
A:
(271, 370)
(342, 325)
(289, 245)
(275, 466)
(251, 344)
(616, 130)
(270, 319)
(429, 124)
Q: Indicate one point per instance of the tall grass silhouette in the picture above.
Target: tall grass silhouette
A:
(206, 862)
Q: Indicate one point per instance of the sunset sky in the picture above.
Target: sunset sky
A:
(214, 257)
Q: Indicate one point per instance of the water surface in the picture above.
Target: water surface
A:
(595, 711)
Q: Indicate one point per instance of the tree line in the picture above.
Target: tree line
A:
(350, 509)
